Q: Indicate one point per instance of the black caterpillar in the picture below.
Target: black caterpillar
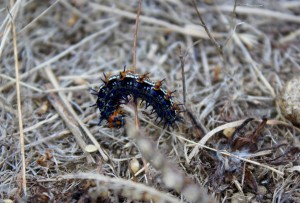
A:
(117, 88)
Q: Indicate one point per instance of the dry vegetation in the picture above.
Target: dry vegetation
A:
(234, 145)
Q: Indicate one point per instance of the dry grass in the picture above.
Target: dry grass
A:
(53, 52)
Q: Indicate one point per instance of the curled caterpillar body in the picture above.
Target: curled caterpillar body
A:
(117, 88)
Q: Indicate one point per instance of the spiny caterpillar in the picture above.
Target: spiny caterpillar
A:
(115, 91)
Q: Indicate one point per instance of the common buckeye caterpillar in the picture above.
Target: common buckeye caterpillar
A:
(117, 88)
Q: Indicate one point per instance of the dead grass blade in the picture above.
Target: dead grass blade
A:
(62, 54)
(67, 104)
(126, 188)
(16, 60)
(188, 29)
(69, 121)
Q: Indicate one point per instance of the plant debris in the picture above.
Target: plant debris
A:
(229, 62)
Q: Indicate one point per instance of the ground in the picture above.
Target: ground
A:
(234, 144)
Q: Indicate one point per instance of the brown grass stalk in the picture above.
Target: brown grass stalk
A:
(16, 60)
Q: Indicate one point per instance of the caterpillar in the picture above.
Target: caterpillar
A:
(115, 91)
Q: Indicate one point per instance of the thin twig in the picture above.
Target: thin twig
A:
(136, 117)
(13, 30)
(181, 58)
(219, 48)
(198, 128)
(135, 35)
